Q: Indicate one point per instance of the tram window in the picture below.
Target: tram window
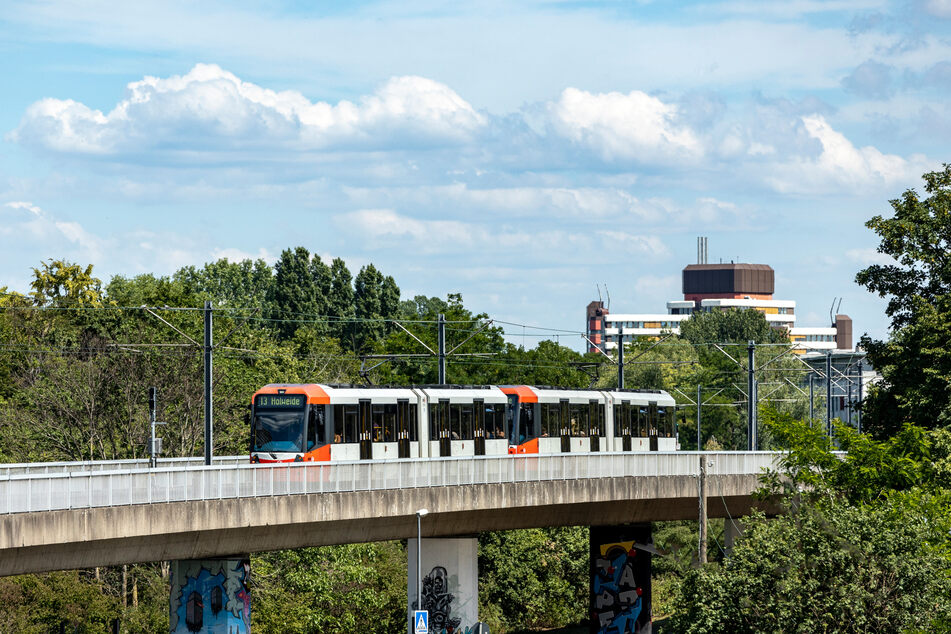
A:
(412, 422)
(454, 422)
(595, 419)
(511, 418)
(316, 427)
(345, 423)
(389, 422)
(669, 417)
(576, 422)
(642, 422)
(434, 421)
(465, 422)
(526, 422)
(549, 414)
(495, 420)
(376, 423)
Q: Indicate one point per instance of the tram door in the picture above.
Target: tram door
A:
(652, 424)
(402, 428)
(625, 412)
(365, 431)
(594, 425)
(445, 442)
(565, 426)
(478, 426)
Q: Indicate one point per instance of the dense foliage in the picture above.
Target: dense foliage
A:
(914, 362)
(79, 356)
(864, 545)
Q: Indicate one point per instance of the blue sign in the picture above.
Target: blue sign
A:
(421, 622)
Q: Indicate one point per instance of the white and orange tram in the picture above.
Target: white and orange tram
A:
(311, 422)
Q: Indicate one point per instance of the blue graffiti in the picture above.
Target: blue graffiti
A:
(617, 598)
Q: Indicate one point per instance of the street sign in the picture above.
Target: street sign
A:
(421, 622)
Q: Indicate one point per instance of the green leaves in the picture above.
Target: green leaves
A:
(824, 568)
(915, 362)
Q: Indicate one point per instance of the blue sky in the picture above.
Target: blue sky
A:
(520, 154)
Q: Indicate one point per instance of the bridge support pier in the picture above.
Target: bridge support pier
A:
(732, 529)
(450, 570)
(621, 579)
(209, 595)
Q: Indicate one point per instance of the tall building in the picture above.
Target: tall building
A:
(709, 287)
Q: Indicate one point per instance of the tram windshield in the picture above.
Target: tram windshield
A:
(278, 422)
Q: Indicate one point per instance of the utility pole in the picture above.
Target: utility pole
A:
(751, 400)
(859, 369)
(812, 397)
(208, 372)
(698, 417)
(850, 401)
(620, 359)
(702, 546)
(441, 324)
(155, 444)
(829, 392)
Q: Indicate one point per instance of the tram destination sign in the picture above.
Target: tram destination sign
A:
(280, 401)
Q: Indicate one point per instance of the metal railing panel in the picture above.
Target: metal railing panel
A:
(62, 489)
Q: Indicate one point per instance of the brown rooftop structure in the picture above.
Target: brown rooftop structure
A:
(730, 280)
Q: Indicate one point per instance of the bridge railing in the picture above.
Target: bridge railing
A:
(41, 468)
(73, 490)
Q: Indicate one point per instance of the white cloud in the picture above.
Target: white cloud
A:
(638, 244)
(42, 226)
(866, 257)
(938, 8)
(210, 109)
(562, 202)
(841, 165)
(618, 126)
(20, 204)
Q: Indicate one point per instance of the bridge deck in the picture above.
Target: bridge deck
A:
(78, 520)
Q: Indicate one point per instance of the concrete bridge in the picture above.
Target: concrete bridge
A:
(81, 519)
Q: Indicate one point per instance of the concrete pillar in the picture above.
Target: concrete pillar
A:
(450, 583)
(621, 579)
(209, 595)
(732, 528)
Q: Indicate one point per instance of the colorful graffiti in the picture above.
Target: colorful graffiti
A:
(620, 580)
(210, 595)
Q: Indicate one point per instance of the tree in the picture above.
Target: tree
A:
(243, 284)
(730, 326)
(368, 308)
(294, 297)
(918, 238)
(533, 579)
(721, 369)
(340, 302)
(62, 283)
(914, 365)
(419, 317)
(863, 546)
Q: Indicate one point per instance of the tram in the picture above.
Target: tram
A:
(314, 422)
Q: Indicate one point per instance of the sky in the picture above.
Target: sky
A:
(526, 155)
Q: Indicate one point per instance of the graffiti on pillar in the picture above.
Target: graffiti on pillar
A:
(437, 600)
(617, 597)
(209, 595)
(620, 580)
